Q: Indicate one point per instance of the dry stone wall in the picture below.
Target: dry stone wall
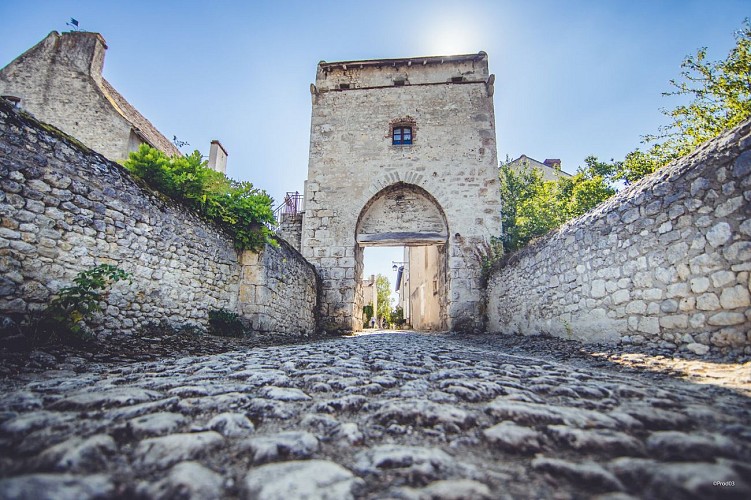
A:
(65, 209)
(664, 262)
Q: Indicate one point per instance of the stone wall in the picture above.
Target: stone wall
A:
(665, 262)
(65, 209)
(290, 230)
(279, 291)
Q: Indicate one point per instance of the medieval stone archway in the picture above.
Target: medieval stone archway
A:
(407, 215)
(401, 214)
(402, 151)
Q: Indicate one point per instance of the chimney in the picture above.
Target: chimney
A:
(83, 51)
(553, 163)
(218, 157)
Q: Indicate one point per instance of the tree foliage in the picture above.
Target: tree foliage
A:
(367, 313)
(397, 317)
(383, 289)
(237, 206)
(533, 206)
(719, 95)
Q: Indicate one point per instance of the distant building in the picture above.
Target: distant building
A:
(550, 168)
(417, 283)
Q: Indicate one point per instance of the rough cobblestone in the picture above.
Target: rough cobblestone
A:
(455, 417)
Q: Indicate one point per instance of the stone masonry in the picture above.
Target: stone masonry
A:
(65, 209)
(60, 82)
(666, 261)
(442, 189)
(290, 230)
(279, 292)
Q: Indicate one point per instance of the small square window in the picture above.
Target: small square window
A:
(401, 136)
(344, 86)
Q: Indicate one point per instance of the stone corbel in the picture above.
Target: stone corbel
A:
(490, 85)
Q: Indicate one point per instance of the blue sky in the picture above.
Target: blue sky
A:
(573, 78)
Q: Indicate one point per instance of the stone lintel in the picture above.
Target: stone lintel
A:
(402, 239)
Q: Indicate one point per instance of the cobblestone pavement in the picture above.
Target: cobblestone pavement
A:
(381, 416)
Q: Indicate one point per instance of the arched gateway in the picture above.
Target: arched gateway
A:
(407, 215)
(402, 152)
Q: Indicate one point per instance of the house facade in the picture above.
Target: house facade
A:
(550, 168)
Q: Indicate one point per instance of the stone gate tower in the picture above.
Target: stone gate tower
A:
(402, 152)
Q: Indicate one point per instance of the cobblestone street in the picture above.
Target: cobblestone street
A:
(393, 415)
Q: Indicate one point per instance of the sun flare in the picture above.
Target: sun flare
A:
(449, 36)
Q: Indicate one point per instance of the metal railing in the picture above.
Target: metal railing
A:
(289, 208)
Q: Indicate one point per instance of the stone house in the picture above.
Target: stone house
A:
(60, 82)
(550, 168)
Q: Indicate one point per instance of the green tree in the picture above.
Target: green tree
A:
(532, 207)
(516, 189)
(383, 289)
(540, 213)
(720, 99)
(590, 186)
(397, 317)
(367, 313)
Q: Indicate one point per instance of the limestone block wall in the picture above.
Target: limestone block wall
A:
(279, 291)
(664, 262)
(452, 162)
(65, 209)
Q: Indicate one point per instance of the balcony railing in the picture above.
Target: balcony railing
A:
(289, 209)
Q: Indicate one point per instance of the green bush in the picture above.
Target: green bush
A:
(225, 323)
(237, 206)
(65, 319)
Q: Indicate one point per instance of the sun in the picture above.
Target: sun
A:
(449, 36)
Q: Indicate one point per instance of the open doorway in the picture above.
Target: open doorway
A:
(380, 297)
(404, 216)
(403, 287)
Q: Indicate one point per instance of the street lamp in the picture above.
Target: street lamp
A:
(396, 265)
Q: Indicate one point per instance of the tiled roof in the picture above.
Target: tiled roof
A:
(143, 127)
